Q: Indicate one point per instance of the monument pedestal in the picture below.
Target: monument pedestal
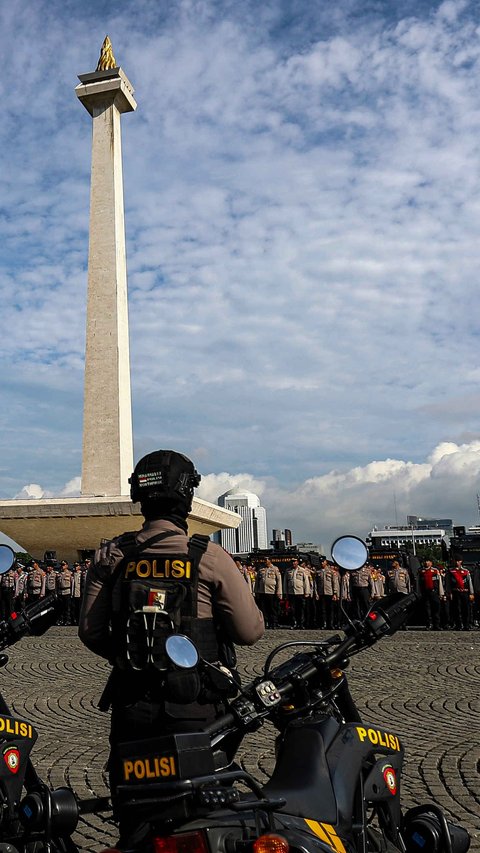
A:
(71, 526)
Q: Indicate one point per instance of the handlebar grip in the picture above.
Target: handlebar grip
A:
(398, 610)
(34, 619)
(223, 722)
(40, 608)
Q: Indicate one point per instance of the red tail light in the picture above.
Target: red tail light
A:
(185, 842)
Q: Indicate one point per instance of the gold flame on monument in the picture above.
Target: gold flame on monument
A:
(107, 59)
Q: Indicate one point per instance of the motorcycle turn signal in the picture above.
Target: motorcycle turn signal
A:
(271, 844)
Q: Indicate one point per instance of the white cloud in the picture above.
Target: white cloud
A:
(382, 492)
(32, 491)
(72, 488)
(214, 485)
(302, 218)
(350, 501)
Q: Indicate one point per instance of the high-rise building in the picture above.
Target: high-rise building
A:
(252, 531)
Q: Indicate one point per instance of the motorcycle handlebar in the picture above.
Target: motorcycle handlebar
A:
(223, 722)
(35, 619)
(383, 618)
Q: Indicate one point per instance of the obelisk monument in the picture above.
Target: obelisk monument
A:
(74, 526)
(107, 458)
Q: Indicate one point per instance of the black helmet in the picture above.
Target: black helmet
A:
(164, 475)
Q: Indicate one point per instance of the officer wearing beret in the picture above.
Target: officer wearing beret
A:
(139, 576)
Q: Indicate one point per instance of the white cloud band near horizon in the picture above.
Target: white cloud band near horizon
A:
(352, 501)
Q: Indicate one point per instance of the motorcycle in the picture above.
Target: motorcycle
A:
(336, 782)
(33, 818)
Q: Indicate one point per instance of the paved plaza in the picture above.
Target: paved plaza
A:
(424, 686)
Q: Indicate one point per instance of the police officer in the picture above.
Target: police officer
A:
(20, 587)
(318, 592)
(269, 592)
(398, 579)
(8, 592)
(331, 595)
(377, 584)
(360, 590)
(64, 592)
(298, 589)
(475, 575)
(244, 573)
(160, 569)
(253, 577)
(430, 586)
(460, 590)
(77, 587)
(36, 582)
(50, 580)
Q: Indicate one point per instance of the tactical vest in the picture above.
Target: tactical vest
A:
(154, 595)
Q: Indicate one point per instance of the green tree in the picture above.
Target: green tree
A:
(429, 552)
(23, 557)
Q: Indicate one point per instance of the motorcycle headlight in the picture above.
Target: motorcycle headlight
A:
(424, 832)
(64, 807)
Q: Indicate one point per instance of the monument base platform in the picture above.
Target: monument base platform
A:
(73, 526)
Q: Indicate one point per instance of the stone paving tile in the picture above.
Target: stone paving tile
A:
(424, 686)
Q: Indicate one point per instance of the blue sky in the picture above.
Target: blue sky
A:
(302, 212)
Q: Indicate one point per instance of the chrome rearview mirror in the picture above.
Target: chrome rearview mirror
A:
(181, 651)
(7, 558)
(349, 553)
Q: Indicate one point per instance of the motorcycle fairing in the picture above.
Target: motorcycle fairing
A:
(353, 758)
(381, 783)
(301, 775)
(321, 764)
(327, 833)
